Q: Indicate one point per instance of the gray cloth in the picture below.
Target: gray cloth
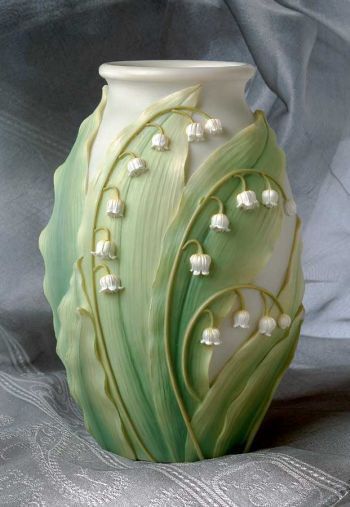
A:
(49, 56)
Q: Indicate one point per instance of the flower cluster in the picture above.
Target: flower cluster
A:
(196, 131)
(241, 319)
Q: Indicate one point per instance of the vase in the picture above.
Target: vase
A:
(172, 262)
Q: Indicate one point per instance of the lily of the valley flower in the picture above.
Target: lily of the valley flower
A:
(266, 325)
(220, 223)
(105, 249)
(115, 208)
(269, 198)
(290, 207)
(110, 284)
(195, 132)
(247, 200)
(137, 166)
(284, 321)
(160, 142)
(241, 319)
(213, 126)
(200, 264)
(211, 336)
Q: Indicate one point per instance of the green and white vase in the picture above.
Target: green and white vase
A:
(173, 262)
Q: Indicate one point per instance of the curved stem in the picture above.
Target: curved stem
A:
(194, 242)
(191, 324)
(244, 185)
(221, 204)
(104, 229)
(211, 316)
(112, 187)
(182, 113)
(156, 126)
(127, 154)
(267, 181)
(265, 303)
(241, 299)
(101, 266)
(193, 110)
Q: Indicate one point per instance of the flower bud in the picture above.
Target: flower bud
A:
(247, 200)
(200, 264)
(241, 319)
(115, 208)
(137, 166)
(105, 250)
(109, 284)
(211, 336)
(195, 132)
(160, 142)
(290, 207)
(269, 198)
(213, 126)
(266, 325)
(220, 223)
(284, 321)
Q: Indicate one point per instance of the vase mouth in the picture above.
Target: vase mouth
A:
(176, 70)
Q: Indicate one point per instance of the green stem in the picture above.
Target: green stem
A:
(100, 266)
(267, 181)
(112, 187)
(244, 185)
(193, 110)
(211, 316)
(104, 229)
(182, 113)
(191, 324)
(221, 204)
(126, 154)
(194, 242)
(156, 126)
(241, 299)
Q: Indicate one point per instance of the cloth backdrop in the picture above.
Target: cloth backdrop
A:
(49, 55)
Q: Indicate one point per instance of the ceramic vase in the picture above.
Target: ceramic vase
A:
(173, 262)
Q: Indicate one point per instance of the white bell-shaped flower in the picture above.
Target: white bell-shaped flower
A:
(213, 126)
(290, 207)
(284, 321)
(137, 166)
(241, 319)
(211, 336)
(195, 132)
(115, 208)
(269, 198)
(105, 249)
(266, 325)
(220, 223)
(247, 200)
(160, 142)
(200, 264)
(109, 284)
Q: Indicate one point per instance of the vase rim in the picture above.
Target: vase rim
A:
(176, 70)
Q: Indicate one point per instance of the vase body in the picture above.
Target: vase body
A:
(140, 351)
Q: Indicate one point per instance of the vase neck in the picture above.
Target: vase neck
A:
(133, 86)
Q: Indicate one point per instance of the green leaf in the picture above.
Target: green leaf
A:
(58, 241)
(123, 319)
(77, 347)
(237, 258)
(228, 416)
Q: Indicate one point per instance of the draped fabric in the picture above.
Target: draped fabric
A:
(49, 57)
